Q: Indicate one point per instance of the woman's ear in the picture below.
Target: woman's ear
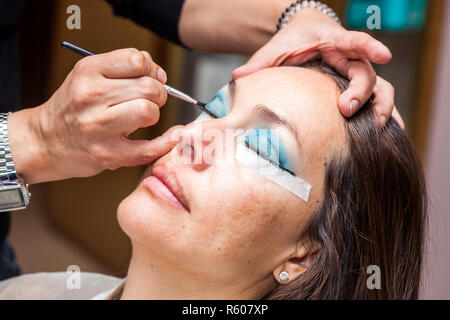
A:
(295, 266)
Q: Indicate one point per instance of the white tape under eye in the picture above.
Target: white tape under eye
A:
(284, 179)
(250, 159)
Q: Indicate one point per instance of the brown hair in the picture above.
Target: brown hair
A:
(373, 212)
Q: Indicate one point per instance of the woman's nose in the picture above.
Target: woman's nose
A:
(186, 152)
(200, 145)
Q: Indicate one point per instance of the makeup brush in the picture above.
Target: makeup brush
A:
(172, 91)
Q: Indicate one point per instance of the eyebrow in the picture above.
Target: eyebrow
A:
(265, 113)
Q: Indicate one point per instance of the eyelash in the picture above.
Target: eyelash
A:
(261, 155)
(265, 157)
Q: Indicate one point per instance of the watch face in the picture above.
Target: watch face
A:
(11, 199)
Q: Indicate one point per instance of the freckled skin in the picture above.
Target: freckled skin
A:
(241, 225)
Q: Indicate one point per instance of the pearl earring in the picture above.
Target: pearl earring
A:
(284, 276)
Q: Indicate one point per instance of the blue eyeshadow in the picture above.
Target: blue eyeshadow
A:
(262, 140)
(219, 105)
(269, 145)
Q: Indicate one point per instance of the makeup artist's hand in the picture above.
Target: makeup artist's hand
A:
(311, 33)
(83, 129)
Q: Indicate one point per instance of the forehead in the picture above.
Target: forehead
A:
(290, 89)
(305, 97)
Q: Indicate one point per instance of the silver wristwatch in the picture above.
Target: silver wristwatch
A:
(14, 193)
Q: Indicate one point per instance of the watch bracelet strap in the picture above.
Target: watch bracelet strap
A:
(302, 4)
(6, 162)
(9, 179)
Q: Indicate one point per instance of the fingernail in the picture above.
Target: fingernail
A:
(354, 105)
(379, 111)
(162, 76)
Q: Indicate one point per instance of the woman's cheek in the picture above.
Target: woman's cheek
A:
(237, 210)
(233, 192)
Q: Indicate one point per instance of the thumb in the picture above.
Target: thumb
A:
(276, 53)
(263, 58)
(250, 67)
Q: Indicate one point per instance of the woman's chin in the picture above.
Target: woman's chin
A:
(144, 217)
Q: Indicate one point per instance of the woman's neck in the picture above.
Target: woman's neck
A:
(150, 279)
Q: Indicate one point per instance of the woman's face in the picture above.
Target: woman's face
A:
(239, 225)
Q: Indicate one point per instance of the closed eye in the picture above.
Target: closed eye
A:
(268, 147)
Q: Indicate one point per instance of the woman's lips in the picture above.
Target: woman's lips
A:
(164, 184)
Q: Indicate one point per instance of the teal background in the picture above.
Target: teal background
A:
(396, 15)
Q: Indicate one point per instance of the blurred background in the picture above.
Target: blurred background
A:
(74, 222)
